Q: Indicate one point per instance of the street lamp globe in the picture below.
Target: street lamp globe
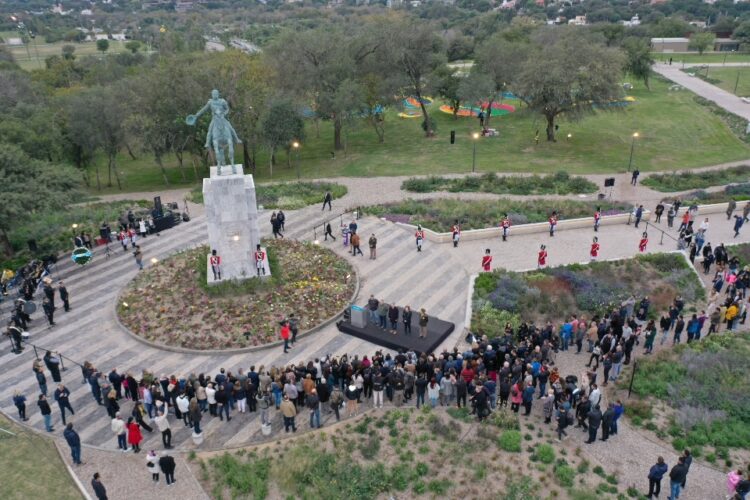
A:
(475, 135)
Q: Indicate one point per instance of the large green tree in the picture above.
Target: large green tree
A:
(29, 186)
(281, 124)
(702, 41)
(569, 73)
(314, 65)
(638, 60)
(499, 60)
(416, 51)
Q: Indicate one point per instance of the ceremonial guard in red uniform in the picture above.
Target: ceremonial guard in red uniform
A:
(541, 259)
(419, 235)
(487, 261)
(260, 256)
(215, 261)
(505, 225)
(595, 248)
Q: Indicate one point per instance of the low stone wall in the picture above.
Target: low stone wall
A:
(537, 227)
(562, 225)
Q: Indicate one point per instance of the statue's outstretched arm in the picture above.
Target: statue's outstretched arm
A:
(203, 109)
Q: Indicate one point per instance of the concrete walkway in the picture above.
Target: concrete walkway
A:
(726, 100)
(437, 279)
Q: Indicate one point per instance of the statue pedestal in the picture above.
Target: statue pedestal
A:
(232, 219)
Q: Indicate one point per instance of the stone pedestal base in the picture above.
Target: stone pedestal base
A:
(232, 220)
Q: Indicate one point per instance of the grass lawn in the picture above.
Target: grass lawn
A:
(38, 51)
(675, 133)
(31, 466)
(726, 78)
(707, 57)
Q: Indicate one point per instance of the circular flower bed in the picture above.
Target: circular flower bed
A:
(171, 304)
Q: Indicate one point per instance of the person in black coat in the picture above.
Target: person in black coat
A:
(62, 396)
(167, 465)
(49, 311)
(98, 487)
(49, 291)
(64, 296)
(607, 418)
(480, 403)
(74, 441)
(53, 365)
(595, 420)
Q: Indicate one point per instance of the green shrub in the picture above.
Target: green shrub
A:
(419, 487)
(598, 470)
(583, 467)
(510, 441)
(438, 486)
(679, 444)
(565, 475)
(545, 453)
(461, 414)
(370, 448)
(242, 478)
(505, 419)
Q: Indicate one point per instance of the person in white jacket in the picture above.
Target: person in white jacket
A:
(183, 404)
(211, 398)
(152, 464)
(162, 423)
(118, 427)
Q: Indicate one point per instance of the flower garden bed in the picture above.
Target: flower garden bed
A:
(439, 214)
(553, 294)
(559, 183)
(170, 303)
(696, 180)
(738, 192)
(289, 195)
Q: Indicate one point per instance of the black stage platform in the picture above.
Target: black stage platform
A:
(437, 331)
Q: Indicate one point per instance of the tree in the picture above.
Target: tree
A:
(460, 47)
(702, 41)
(102, 45)
(447, 86)
(568, 72)
(246, 83)
(30, 186)
(417, 52)
(133, 46)
(500, 60)
(281, 125)
(742, 33)
(670, 27)
(68, 51)
(313, 66)
(638, 58)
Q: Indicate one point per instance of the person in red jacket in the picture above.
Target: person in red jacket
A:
(134, 434)
(260, 256)
(285, 334)
(215, 261)
(597, 218)
(505, 225)
(419, 235)
(487, 261)
(642, 244)
(595, 248)
(552, 223)
(541, 259)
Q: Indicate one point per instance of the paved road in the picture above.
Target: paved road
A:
(725, 99)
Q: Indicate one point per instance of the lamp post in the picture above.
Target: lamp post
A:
(474, 136)
(295, 146)
(632, 146)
